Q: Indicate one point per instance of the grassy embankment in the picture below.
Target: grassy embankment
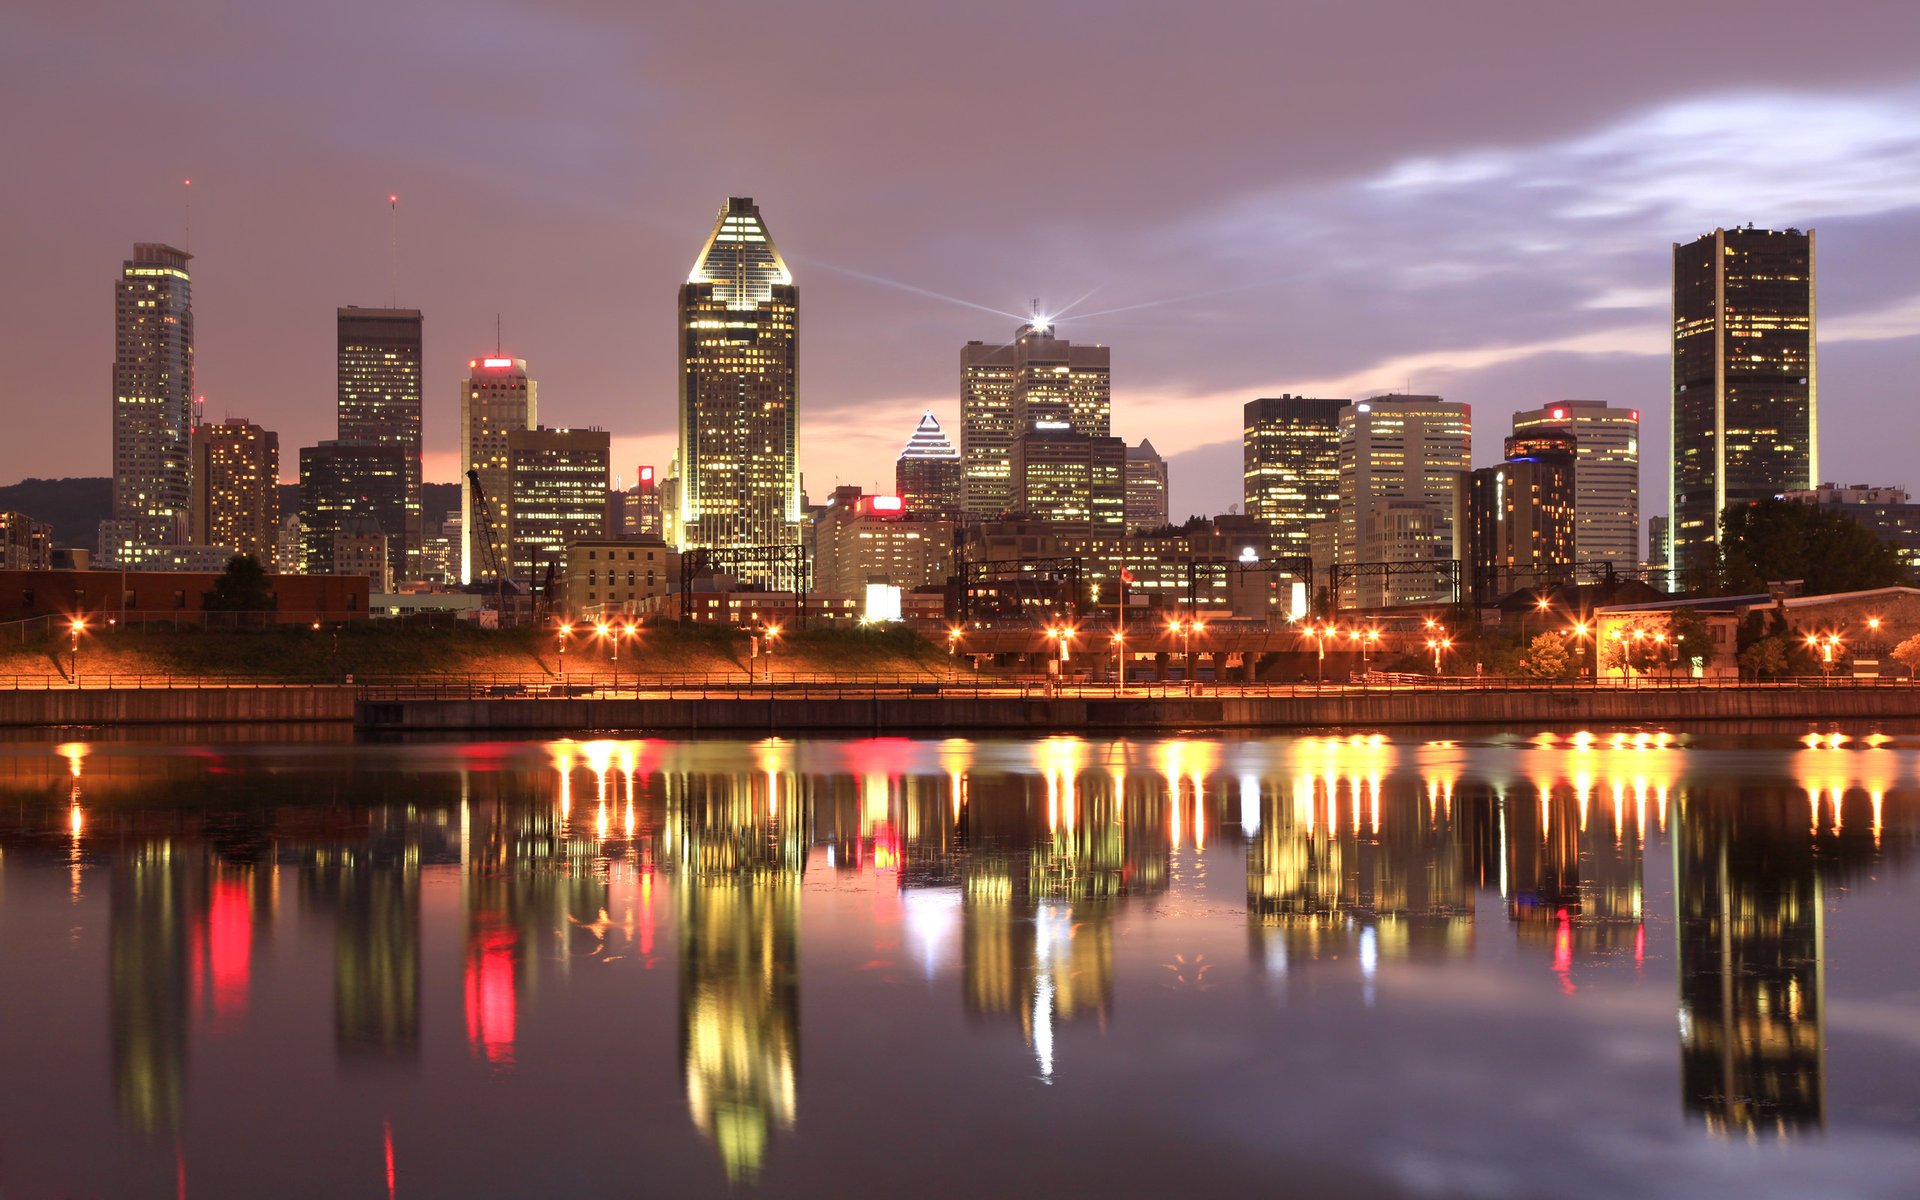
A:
(385, 650)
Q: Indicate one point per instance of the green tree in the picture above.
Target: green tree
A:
(1547, 657)
(1907, 654)
(1786, 539)
(242, 587)
(1768, 658)
(1690, 636)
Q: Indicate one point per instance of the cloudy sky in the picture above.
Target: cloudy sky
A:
(1473, 199)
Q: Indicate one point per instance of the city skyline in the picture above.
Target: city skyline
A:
(1555, 292)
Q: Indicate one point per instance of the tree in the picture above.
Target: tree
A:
(1788, 539)
(1767, 658)
(1690, 636)
(242, 587)
(1907, 654)
(1547, 658)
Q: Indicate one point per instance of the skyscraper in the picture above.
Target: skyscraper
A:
(1400, 461)
(343, 485)
(1606, 485)
(556, 493)
(739, 468)
(236, 488)
(1068, 478)
(152, 403)
(1516, 520)
(1291, 452)
(926, 476)
(496, 399)
(1146, 487)
(379, 402)
(1036, 381)
(1745, 400)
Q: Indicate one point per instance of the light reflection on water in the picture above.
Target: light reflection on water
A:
(1043, 889)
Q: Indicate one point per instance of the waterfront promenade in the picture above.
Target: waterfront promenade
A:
(926, 707)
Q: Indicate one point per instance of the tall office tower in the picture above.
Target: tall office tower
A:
(1069, 478)
(380, 401)
(496, 399)
(1291, 454)
(1036, 381)
(1146, 487)
(1606, 484)
(556, 493)
(152, 403)
(343, 483)
(236, 488)
(1745, 400)
(926, 476)
(1516, 523)
(1400, 460)
(1658, 556)
(739, 389)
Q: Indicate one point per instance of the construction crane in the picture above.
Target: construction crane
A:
(485, 522)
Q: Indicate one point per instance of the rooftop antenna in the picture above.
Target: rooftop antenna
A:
(497, 351)
(186, 193)
(393, 251)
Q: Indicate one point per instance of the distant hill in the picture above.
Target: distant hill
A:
(74, 507)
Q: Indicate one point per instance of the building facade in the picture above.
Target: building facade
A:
(1516, 520)
(1146, 487)
(378, 370)
(25, 544)
(556, 494)
(1887, 512)
(496, 399)
(341, 482)
(639, 510)
(619, 576)
(152, 403)
(1035, 381)
(861, 539)
(926, 476)
(236, 488)
(1399, 455)
(1066, 477)
(739, 472)
(1291, 454)
(1745, 397)
(1606, 479)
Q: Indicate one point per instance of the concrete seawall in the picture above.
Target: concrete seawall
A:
(176, 706)
(933, 715)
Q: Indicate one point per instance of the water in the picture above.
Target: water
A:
(1593, 965)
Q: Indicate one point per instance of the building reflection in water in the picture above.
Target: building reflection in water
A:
(372, 890)
(742, 853)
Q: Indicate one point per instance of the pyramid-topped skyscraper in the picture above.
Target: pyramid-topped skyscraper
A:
(927, 473)
(739, 474)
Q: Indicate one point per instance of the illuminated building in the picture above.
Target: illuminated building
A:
(496, 399)
(1291, 453)
(1752, 986)
(236, 488)
(1064, 477)
(1887, 512)
(152, 403)
(556, 494)
(926, 476)
(1516, 520)
(639, 510)
(344, 481)
(1658, 556)
(361, 547)
(25, 544)
(1146, 483)
(618, 575)
(861, 539)
(379, 401)
(1400, 460)
(1745, 398)
(739, 474)
(1606, 482)
(1036, 381)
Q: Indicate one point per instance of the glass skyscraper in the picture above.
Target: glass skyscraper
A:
(152, 403)
(380, 403)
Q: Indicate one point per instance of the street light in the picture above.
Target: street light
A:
(561, 634)
(1580, 631)
(773, 636)
(1120, 662)
(1439, 645)
(953, 649)
(78, 627)
(1826, 643)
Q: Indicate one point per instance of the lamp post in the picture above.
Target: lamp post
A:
(561, 634)
(1439, 646)
(1119, 662)
(772, 636)
(953, 649)
(1826, 643)
(78, 627)
(1580, 631)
